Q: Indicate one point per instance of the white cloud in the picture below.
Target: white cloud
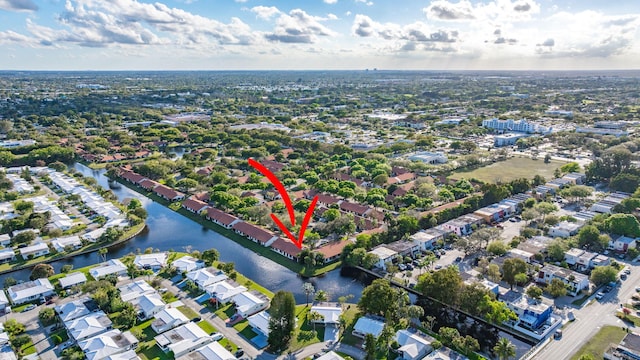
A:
(331, 16)
(298, 27)
(265, 12)
(496, 11)
(18, 5)
(366, 2)
(330, 2)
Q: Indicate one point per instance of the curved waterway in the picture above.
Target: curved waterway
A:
(168, 230)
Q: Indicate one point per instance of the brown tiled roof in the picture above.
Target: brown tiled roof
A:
(354, 208)
(332, 249)
(221, 216)
(327, 199)
(148, 184)
(286, 246)
(397, 170)
(132, 176)
(194, 204)
(273, 166)
(167, 192)
(253, 231)
(202, 196)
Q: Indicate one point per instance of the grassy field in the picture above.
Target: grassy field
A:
(514, 168)
(305, 333)
(597, 345)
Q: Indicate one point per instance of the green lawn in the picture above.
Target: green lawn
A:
(351, 316)
(207, 327)
(597, 345)
(629, 318)
(146, 329)
(514, 168)
(245, 330)
(151, 351)
(305, 333)
(188, 312)
(226, 311)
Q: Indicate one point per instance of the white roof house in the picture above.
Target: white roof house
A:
(366, 325)
(88, 326)
(412, 346)
(260, 322)
(330, 356)
(127, 355)
(134, 290)
(183, 339)
(6, 353)
(107, 344)
(29, 291)
(7, 255)
(3, 300)
(206, 277)
(384, 255)
(167, 319)
(35, 250)
(151, 261)
(72, 310)
(211, 351)
(248, 304)
(94, 235)
(187, 264)
(113, 266)
(150, 304)
(73, 279)
(223, 291)
(330, 314)
(61, 244)
(4, 338)
(5, 239)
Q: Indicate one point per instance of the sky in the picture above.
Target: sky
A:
(319, 34)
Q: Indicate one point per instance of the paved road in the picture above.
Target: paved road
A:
(313, 349)
(590, 319)
(38, 334)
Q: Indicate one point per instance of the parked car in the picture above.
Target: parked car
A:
(402, 267)
(239, 352)
(438, 267)
(409, 267)
(162, 290)
(29, 308)
(216, 336)
(599, 295)
(196, 319)
(638, 288)
(570, 316)
(627, 271)
(558, 334)
(458, 259)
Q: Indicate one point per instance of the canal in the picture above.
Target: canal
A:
(168, 230)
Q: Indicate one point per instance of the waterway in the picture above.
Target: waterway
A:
(167, 230)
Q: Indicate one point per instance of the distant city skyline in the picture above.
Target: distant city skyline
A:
(319, 34)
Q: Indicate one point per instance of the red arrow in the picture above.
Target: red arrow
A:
(287, 202)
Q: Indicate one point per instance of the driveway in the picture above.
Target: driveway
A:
(44, 347)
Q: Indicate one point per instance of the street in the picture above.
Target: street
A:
(591, 318)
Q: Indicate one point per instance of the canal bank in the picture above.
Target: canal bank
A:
(167, 230)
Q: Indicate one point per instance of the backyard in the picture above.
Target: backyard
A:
(514, 168)
(597, 345)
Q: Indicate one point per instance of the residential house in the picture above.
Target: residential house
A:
(491, 214)
(426, 239)
(131, 176)
(183, 339)
(353, 208)
(286, 248)
(134, 290)
(329, 313)
(404, 247)
(187, 264)
(127, 355)
(330, 356)
(194, 205)
(148, 184)
(221, 218)
(565, 229)
(67, 243)
(4, 302)
(255, 233)
(74, 309)
(366, 325)
(7, 255)
(206, 277)
(429, 157)
(460, 228)
(224, 291)
(249, 303)
(413, 346)
(575, 281)
(445, 353)
(73, 279)
(34, 251)
(531, 314)
(148, 305)
(30, 291)
(260, 323)
(154, 261)
(576, 178)
(607, 204)
(5, 239)
(168, 193)
(167, 319)
(109, 343)
(627, 349)
(623, 243)
(111, 267)
(572, 255)
(211, 351)
(384, 254)
(521, 254)
(88, 326)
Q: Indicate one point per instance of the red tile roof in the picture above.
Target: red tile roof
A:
(221, 216)
(148, 184)
(167, 192)
(332, 249)
(253, 231)
(354, 208)
(194, 204)
(327, 199)
(286, 247)
(132, 176)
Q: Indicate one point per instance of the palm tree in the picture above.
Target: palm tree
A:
(504, 349)
(308, 290)
(103, 253)
(313, 316)
(321, 296)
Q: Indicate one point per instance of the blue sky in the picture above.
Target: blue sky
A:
(319, 34)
